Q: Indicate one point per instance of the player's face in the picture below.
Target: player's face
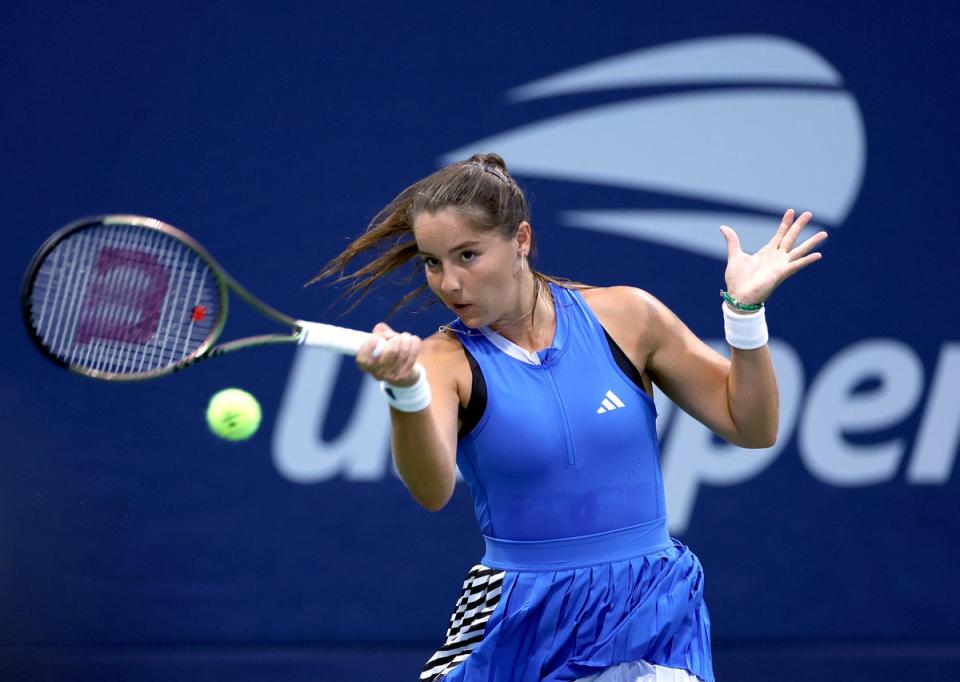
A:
(476, 274)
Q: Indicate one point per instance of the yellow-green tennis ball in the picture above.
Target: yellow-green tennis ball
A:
(233, 414)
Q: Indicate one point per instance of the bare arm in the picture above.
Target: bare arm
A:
(423, 443)
(737, 398)
(738, 406)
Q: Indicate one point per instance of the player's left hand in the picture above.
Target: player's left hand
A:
(751, 278)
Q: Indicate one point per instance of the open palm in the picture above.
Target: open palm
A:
(751, 278)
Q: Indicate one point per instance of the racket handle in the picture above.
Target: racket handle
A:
(339, 339)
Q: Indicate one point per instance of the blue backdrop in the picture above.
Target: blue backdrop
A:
(134, 545)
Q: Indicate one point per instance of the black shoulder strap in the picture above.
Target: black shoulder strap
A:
(623, 362)
(471, 414)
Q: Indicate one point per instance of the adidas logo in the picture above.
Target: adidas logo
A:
(609, 403)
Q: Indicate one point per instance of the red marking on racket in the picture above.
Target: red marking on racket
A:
(199, 312)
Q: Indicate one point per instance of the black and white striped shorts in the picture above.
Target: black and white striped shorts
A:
(478, 599)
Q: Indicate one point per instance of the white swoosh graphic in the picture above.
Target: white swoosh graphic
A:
(694, 231)
(721, 59)
(765, 149)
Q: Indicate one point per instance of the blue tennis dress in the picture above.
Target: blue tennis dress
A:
(580, 573)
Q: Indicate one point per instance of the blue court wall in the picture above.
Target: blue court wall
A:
(134, 545)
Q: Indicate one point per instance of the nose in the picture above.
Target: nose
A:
(449, 282)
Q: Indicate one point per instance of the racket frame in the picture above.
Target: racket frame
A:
(206, 349)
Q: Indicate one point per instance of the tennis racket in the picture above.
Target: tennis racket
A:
(124, 297)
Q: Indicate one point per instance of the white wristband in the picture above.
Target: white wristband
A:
(745, 331)
(409, 398)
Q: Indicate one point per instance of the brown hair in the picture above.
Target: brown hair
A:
(480, 188)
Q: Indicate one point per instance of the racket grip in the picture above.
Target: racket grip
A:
(339, 339)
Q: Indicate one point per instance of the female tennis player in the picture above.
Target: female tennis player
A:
(540, 391)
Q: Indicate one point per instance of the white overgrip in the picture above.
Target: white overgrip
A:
(339, 339)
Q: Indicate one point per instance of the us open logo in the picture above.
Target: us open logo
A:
(724, 114)
(761, 123)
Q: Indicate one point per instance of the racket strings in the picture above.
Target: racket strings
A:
(104, 312)
(122, 299)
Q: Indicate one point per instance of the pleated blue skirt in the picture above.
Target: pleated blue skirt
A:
(559, 610)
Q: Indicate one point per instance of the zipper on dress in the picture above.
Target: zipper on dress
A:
(571, 456)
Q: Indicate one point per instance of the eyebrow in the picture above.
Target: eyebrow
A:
(464, 245)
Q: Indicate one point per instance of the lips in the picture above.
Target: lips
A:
(460, 307)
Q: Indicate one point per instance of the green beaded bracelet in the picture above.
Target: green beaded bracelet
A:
(734, 303)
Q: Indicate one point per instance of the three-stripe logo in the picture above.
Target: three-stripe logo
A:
(609, 403)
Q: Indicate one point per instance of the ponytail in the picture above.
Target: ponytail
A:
(481, 188)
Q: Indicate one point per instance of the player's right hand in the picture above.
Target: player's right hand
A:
(396, 360)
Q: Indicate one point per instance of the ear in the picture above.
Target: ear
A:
(524, 238)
